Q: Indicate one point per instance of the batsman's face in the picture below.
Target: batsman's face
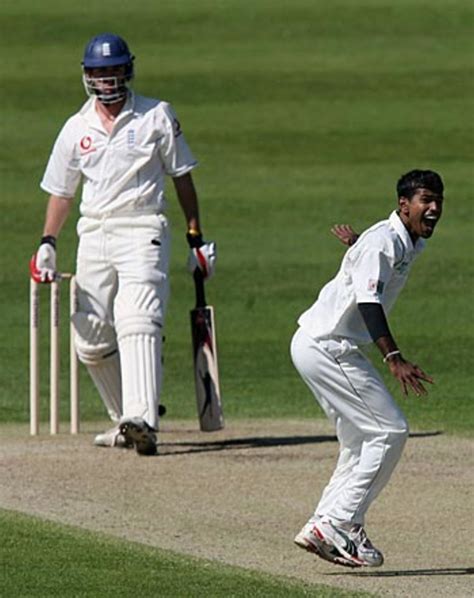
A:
(106, 78)
(421, 213)
(109, 84)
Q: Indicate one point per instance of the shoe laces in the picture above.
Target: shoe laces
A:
(360, 538)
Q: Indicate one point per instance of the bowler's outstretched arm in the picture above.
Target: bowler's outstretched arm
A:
(408, 374)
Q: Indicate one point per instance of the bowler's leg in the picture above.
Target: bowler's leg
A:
(371, 429)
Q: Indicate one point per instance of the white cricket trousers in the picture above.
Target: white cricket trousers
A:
(123, 288)
(370, 427)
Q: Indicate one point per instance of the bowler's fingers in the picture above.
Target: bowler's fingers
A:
(411, 381)
(343, 232)
(404, 387)
(417, 386)
(341, 229)
(422, 375)
(414, 380)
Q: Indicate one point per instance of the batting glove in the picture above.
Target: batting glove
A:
(202, 255)
(43, 262)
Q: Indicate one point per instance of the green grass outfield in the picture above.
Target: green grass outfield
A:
(43, 559)
(302, 114)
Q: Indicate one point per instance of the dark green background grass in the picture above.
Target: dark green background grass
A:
(302, 115)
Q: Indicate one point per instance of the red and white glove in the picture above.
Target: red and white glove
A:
(202, 255)
(43, 262)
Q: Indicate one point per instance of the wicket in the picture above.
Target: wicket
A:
(54, 357)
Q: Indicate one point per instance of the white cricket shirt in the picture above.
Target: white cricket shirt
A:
(123, 172)
(374, 270)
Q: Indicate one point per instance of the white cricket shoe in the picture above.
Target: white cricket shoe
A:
(308, 540)
(351, 542)
(112, 438)
(137, 432)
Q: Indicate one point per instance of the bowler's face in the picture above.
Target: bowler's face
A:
(421, 213)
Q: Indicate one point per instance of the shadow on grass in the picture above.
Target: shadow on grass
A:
(255, 442)
(412, 572)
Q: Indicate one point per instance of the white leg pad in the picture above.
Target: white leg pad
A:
(96, 347)
(140, 356)
(95, 339)
(106, 376)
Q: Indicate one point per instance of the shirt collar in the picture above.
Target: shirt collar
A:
(404, 235)
(89, 112)
(129, 105)
(88, 108)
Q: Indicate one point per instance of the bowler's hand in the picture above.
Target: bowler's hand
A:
(43, 263)
(409, 375)
(345, 233)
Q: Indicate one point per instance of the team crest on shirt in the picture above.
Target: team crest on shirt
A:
(375, 285)
(86, 145)
(131, 137)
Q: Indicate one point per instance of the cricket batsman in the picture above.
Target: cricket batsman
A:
(121, 146)
(327, 350)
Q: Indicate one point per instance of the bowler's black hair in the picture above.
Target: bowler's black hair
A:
(419, 179)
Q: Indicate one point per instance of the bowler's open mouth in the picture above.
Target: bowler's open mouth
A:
(430, 220)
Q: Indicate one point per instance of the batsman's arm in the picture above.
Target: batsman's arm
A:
(57, 213)
(202, 254)
(43, 262)
(188, 200)
(408, 374)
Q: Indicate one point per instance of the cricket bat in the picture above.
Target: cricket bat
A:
(206, 372)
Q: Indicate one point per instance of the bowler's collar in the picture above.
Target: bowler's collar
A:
(404, 235)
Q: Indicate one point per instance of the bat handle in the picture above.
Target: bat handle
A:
(199, 288)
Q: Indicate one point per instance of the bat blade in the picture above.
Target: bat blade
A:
(206, 371)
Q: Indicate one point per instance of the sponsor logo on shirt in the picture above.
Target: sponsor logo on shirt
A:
(86, 145)
(375, 285)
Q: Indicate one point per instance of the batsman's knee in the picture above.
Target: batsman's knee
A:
(138, 309)
(95, 339)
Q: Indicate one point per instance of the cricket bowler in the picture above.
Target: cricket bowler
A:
(327, 350)
(121, 146)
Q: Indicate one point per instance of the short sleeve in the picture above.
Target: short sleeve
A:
(62, 175)
(174, 151)
(372, 270)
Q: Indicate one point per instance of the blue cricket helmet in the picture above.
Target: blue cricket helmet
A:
(103, 51)
(106, 49)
